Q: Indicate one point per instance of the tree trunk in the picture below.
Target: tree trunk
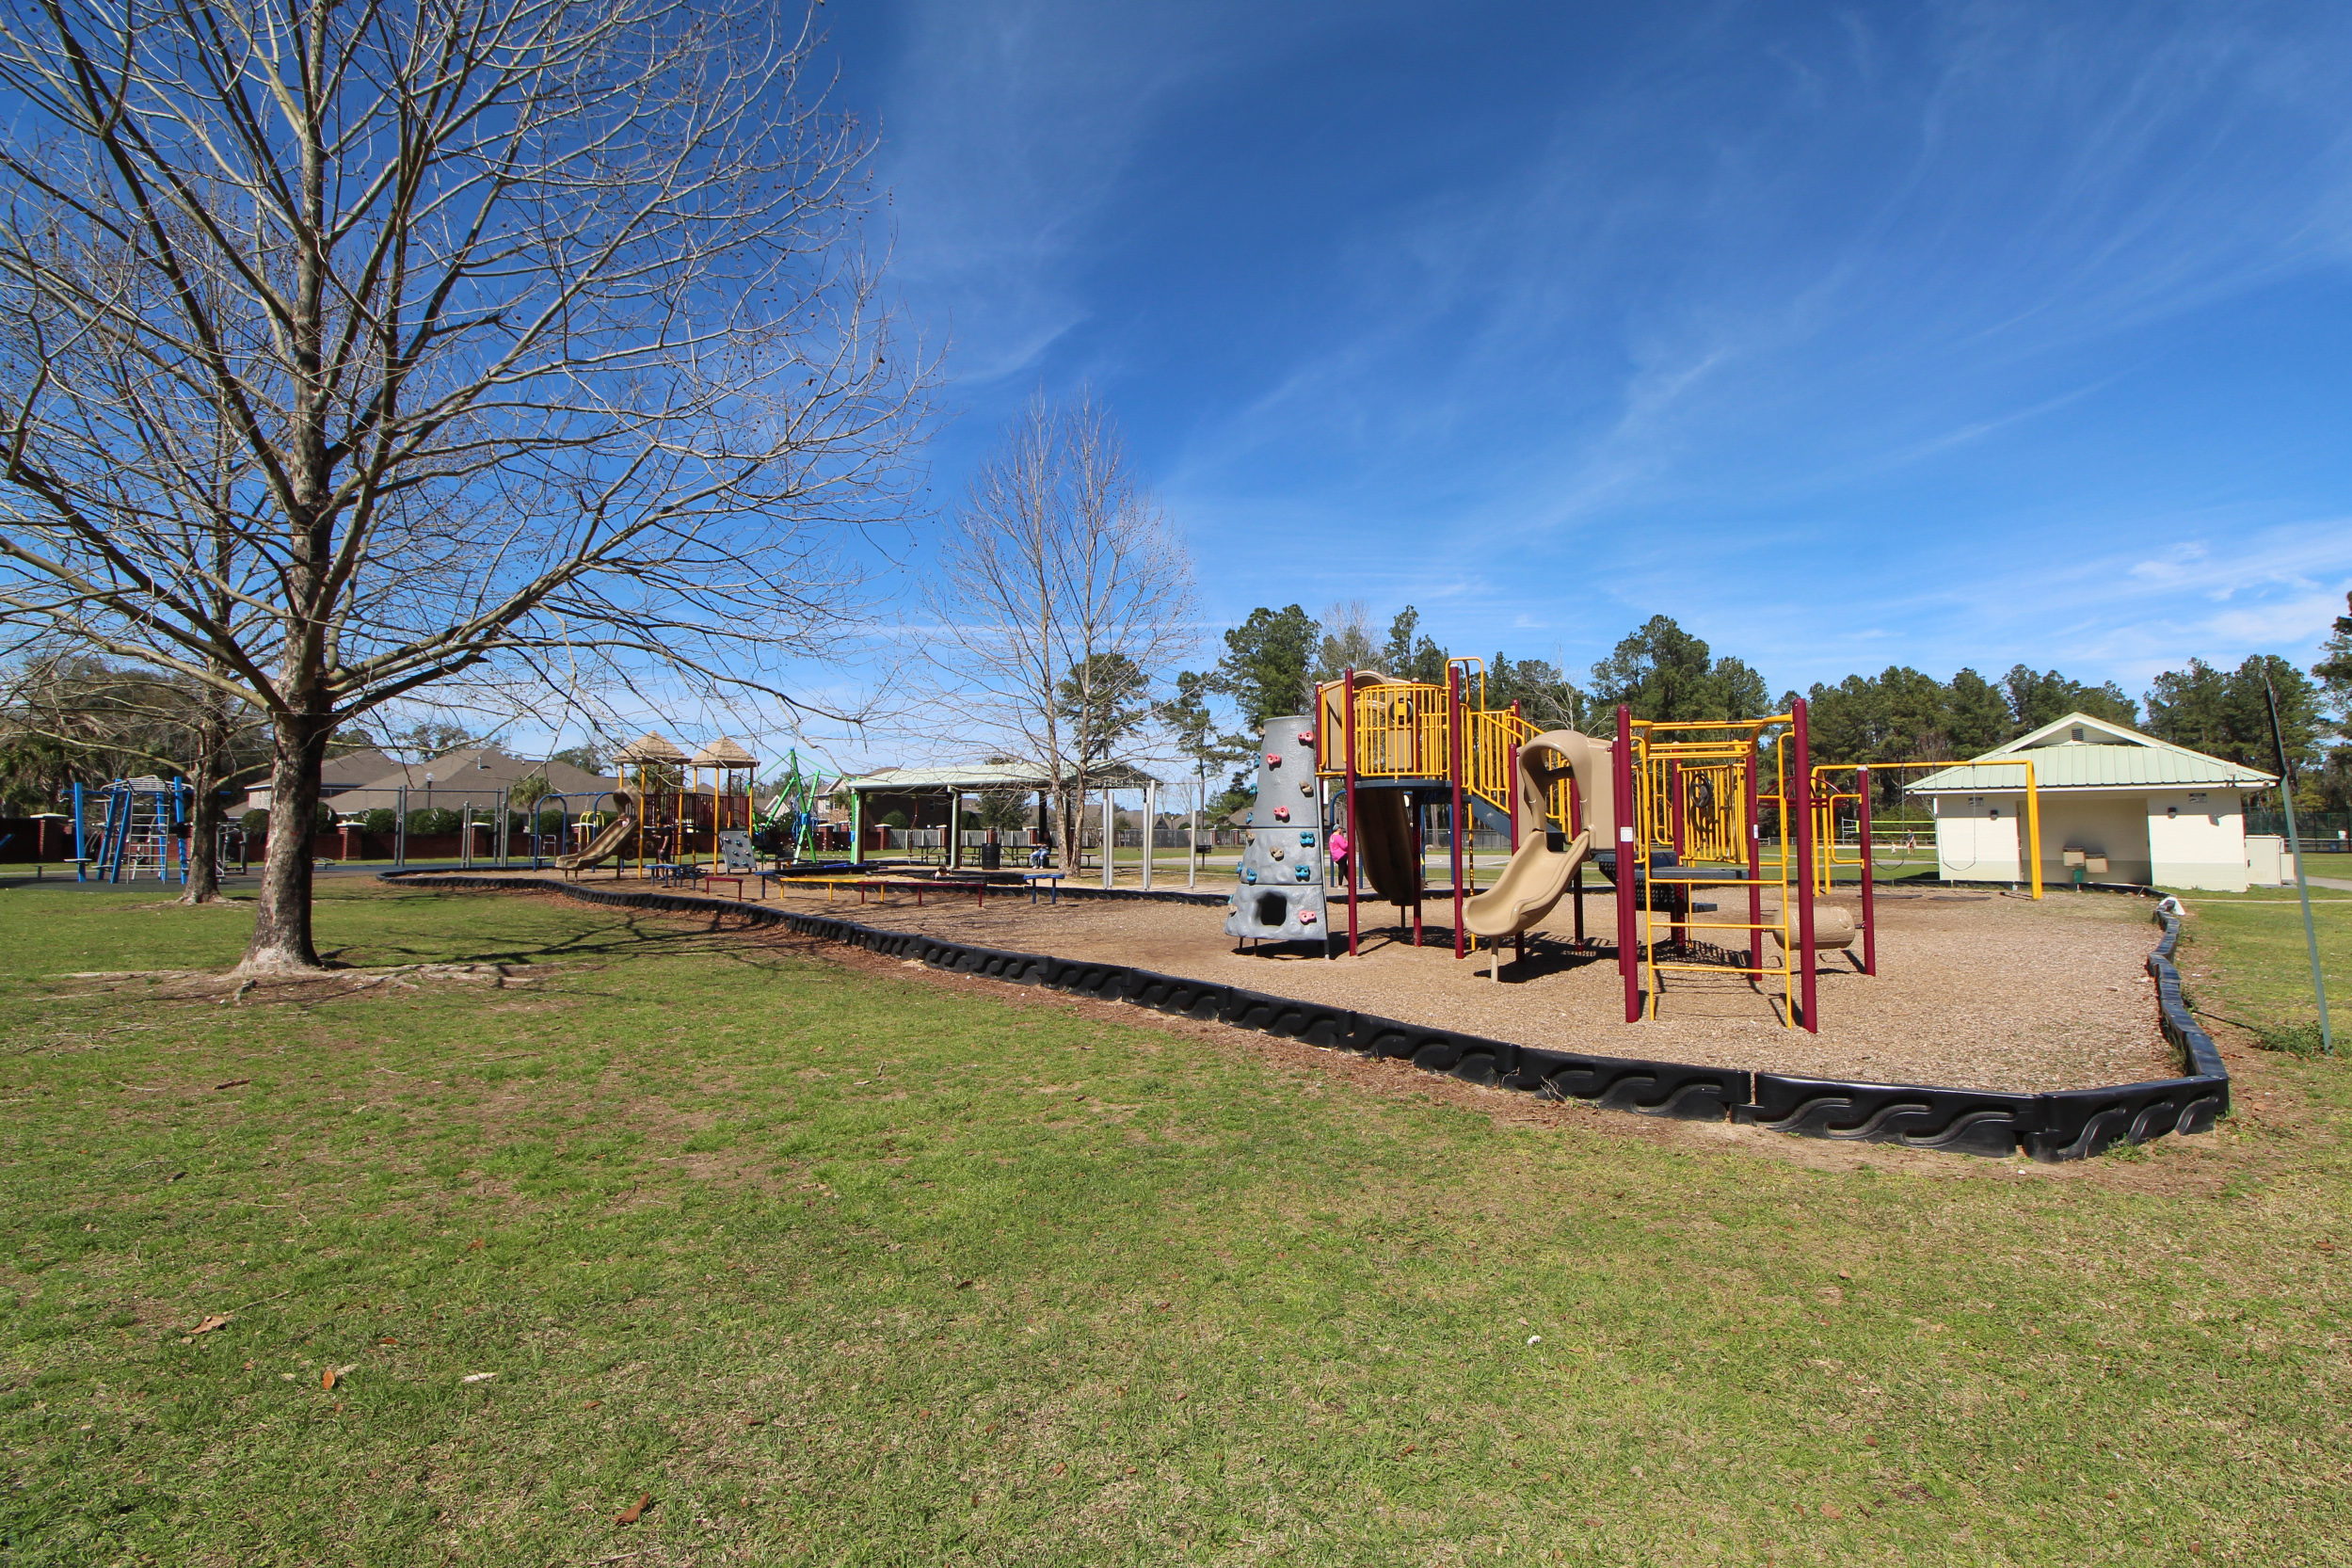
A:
(204, 835)
(1073, 829)
(205, 770)
(282, 917)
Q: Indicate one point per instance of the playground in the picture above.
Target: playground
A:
(1705, 894)
(1962, 997)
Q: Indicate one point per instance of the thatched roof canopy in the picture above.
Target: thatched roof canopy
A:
(651, 747)
(724, 753)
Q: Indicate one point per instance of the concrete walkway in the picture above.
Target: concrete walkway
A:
(2336, 882)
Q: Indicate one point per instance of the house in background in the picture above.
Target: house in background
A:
(476, 776)
(344, 771)
(2155, 813)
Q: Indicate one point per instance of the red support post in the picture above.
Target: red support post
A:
(1347, 743)
(1511, 771)
(1801, 792)
(1453, 768)
(1628, 853)
(1869, 909)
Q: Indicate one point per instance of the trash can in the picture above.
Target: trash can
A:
(992, 857)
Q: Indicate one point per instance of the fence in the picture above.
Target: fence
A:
(2322, 832)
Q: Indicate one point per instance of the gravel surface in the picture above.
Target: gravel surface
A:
(1973, 989)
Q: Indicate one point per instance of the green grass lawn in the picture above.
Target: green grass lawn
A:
(2250, 952)
(846, 1263)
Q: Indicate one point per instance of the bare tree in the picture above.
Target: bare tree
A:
(352, 348)
(1058, 587)
(1347, 643)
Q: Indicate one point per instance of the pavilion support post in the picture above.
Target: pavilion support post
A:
(1151, 825)
(1110, 825)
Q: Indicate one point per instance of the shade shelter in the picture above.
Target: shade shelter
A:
(653, 768)
(2116, 806)
(721, 772)
(952, 784)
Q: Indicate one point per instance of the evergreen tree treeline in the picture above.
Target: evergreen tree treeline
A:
(1662, 672)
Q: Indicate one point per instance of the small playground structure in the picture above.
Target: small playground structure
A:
(674, 813)
(612, 836)
(790, 819)
(141, 828)
(1673, 814)
(654, 771)
(718, 797)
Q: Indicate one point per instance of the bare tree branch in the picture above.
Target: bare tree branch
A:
(1057, 583)
(352, 350)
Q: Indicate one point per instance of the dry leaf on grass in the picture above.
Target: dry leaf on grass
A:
(635, 1511)
(477, 1377)
(326, 1378)
(216, 1321)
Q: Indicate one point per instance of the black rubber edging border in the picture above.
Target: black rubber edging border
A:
(2072, 1124)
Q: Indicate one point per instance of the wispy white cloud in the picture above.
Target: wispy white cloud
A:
(1846, 337)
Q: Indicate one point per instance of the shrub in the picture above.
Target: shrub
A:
(255, 824)
(381, 819)
(432, 818)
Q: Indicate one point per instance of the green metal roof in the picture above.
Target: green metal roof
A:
(2116, 758)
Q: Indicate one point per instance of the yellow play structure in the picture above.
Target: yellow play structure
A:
(1681, 807)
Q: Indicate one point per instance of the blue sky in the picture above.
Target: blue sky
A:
(1934, 334)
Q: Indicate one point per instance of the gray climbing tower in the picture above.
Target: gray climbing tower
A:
(1280, 896)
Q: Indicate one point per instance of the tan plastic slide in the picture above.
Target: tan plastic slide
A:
(607, 844)
(1383, 845)
(1546, 861)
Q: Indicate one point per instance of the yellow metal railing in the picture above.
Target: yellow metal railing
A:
(1690, 794)
(1402, 732)
(1827, 850)
(1400, 729)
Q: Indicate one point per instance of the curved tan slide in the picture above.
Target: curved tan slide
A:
(1541, 868)
(607, 844)
(1535, 880)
